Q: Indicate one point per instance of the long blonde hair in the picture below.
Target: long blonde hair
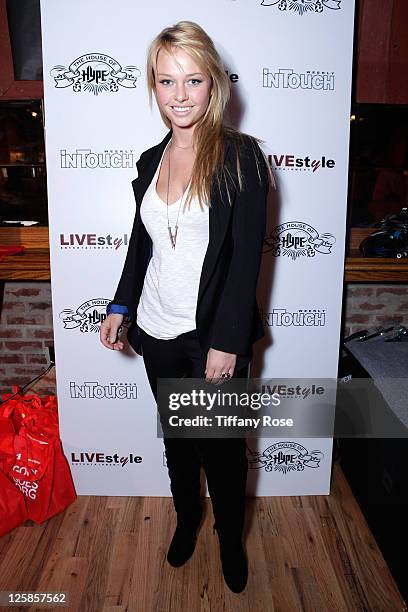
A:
(211, 130)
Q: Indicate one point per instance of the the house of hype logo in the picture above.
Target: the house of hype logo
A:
(88, 160)
(287, 78)
(297, 239)
(305, 163)
(284, 457)
(302, 7)
(97, 390)
(87, 317)
(76, 241)
(95, 73)
(304, 317)
(92, 458)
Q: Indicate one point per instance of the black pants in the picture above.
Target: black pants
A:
(223, 459)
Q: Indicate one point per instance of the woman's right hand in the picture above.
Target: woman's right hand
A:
(109, 332)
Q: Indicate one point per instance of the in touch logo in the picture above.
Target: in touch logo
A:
(96, 390)
(92, 241)
(102, 459)
(301, 7)
(300, 163)
(287, 78)
(284, 457)
(297, 239)
(95, 73)
(304, 317)
(88, 159)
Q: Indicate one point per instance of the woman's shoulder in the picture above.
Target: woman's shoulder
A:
(243, 144)
(245, 150)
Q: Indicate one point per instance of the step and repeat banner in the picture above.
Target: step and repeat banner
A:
(290, 66)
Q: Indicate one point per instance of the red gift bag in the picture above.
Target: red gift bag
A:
(24, 405)
(49, 402)
(13, 410)
(13, 511)
(40, 469)
(7, 433)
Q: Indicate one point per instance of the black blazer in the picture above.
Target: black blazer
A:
(227, 315)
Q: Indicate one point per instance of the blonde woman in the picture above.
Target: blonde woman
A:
(189, 279)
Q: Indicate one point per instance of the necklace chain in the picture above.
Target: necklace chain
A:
(177, 146)
(173, 237)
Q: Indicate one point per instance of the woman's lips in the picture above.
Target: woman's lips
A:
(178, 110)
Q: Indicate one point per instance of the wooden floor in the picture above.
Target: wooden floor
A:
(312, 553)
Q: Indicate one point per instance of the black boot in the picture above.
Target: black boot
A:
(227, 490)
(234, 562)
(184, 471)
(183, 543)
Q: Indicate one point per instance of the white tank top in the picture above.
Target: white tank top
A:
(168, 301)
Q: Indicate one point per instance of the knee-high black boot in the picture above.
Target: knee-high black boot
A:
(184, 471)
(226, 467)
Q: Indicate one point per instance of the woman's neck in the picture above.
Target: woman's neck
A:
(182, 138)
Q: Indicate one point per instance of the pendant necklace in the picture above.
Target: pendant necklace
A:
(173, 237)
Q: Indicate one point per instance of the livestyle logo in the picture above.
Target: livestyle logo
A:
(287, 78)
(101, 459)
(92, 241)
(88, 159)
(301, 7)
(95, 73)
(87, 317)
(284, 457)
(233, 76)
(300, 164)
(290, 392)
(304, 317)
(97, 390)
(297, 239)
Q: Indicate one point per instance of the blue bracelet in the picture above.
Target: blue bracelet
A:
(118, 309)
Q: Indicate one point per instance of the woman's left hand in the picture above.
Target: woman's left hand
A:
(219, 362)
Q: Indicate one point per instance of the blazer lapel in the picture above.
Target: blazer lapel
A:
(219, 218)
(147, 167)
(219, 211)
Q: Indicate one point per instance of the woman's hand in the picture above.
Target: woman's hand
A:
(109, 332)
(219, 362)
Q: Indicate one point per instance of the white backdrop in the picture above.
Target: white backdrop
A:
(290, 65)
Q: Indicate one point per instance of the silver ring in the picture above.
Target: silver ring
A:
(225, 375)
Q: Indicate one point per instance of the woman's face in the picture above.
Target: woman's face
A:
(179, 86)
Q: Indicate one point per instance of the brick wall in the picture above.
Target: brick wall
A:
(25, 334)
(26, 325)
(371, 305)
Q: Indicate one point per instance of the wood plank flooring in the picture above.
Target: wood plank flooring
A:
(312, 553)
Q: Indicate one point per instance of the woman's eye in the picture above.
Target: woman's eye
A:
(193, 81)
